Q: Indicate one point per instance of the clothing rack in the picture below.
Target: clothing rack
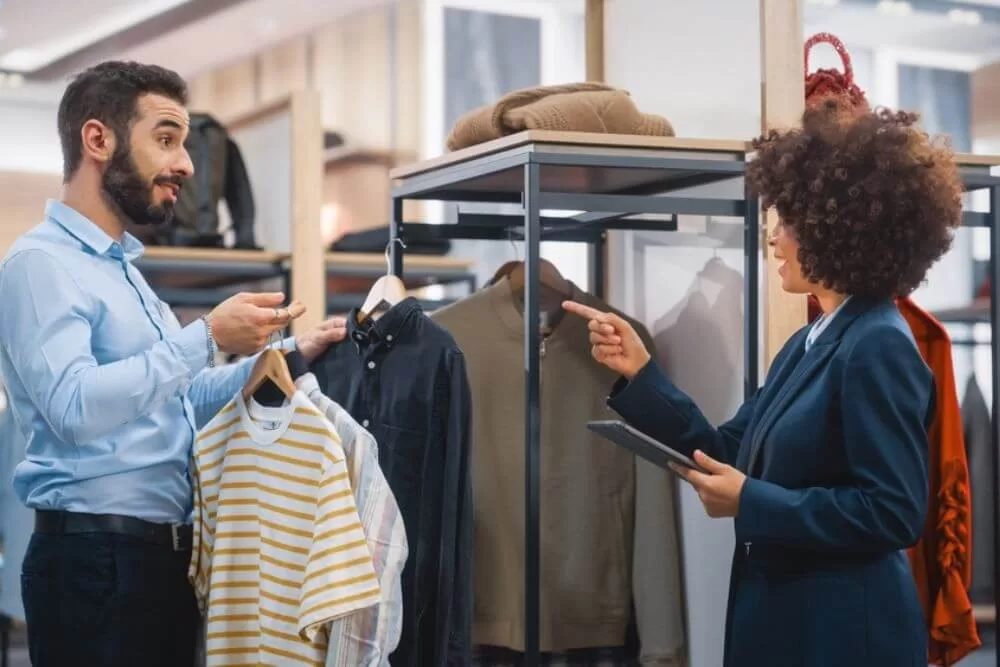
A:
(976, 176)
(610, 178)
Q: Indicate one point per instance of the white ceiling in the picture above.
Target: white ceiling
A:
(241, 30)
(54, 27)
(34, 33)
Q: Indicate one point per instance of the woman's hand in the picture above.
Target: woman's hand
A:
(613, 341)
(719, 490)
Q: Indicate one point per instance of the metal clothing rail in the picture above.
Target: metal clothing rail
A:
(609, 178)
(977, 177)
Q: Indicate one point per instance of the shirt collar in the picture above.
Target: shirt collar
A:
(822, 322)
(386, 328)
(90, 235)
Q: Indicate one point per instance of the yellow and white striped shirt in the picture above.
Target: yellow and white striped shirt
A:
(279, 551)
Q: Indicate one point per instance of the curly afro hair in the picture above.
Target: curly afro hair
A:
(872, 201)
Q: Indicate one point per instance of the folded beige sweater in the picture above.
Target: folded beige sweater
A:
(574, 107)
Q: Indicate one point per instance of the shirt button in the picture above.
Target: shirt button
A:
(389, 337)
(365, 423)
(371, 364)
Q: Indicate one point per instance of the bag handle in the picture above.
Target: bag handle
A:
(845, 58)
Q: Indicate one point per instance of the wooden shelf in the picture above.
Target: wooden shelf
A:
(355, 271)
(211, 255)
(189, 268)
(984, 613)
(971, 160)
(625, 141)
(339, 156)
(589, 140)
(377, 261)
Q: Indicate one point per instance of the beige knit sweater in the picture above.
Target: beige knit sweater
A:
(608, 531)
(572, 107)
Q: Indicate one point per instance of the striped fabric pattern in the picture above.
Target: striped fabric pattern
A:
(366, 639)
(279, 551)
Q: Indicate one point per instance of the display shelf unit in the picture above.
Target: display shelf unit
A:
(977, 176)
(610, 178)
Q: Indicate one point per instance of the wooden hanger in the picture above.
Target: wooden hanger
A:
(386, 292)
(271, 365)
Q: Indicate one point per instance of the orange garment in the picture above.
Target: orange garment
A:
(942, 559)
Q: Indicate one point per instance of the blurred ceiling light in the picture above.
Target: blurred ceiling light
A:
(965, 16)
(895, 7)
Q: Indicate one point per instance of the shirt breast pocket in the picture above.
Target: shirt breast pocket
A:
(401, 456)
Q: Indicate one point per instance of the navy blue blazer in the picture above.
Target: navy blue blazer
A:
(834, 446)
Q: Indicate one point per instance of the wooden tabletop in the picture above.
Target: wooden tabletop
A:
(596, 140)
(583, 139)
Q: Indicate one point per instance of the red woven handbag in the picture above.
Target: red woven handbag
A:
(826, 82)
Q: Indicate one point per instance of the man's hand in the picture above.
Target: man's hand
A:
(243, 323)
(719, 490)
(613, 341)
(314, 342)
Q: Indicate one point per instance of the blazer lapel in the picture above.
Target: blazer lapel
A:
(803, 366)
(776, 379)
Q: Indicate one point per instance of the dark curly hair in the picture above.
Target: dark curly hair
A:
(108, 92)
(872, 201)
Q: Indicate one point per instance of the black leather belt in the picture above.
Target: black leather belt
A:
(54, 522)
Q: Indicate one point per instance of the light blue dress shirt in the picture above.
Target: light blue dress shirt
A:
(107, 388)
(821, 323)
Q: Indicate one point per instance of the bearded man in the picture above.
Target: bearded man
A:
(109, 390)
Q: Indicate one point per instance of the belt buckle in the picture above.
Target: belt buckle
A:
(175, 536)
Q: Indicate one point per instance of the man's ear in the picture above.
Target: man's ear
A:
(98, 141)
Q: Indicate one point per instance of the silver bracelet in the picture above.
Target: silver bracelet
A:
(210, 340)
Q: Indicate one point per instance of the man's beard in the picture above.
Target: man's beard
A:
(126, 189)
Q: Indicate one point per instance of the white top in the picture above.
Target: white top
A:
(279, 551)
(367, 638)
(821, 323)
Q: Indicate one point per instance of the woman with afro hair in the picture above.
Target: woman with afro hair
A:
(824, 469)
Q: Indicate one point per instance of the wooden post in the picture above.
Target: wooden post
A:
(782, 104)
(594, 40)
(308, 258)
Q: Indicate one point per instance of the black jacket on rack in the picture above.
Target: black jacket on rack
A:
(403, 378)
(978, 432)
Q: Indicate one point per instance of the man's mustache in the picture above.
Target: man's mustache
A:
(170, 180)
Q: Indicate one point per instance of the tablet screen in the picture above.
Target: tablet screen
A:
(641, 444)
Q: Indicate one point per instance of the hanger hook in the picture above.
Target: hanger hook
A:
(510, 237)
(273, 339)
(388, 247)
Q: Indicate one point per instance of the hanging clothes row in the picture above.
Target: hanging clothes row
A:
(298, 543)
(411, 408)
(977, 427)
(609, 545)
(403, 378)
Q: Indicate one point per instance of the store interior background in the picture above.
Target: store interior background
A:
(393, 77)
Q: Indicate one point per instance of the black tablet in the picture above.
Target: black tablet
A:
(638, 442)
